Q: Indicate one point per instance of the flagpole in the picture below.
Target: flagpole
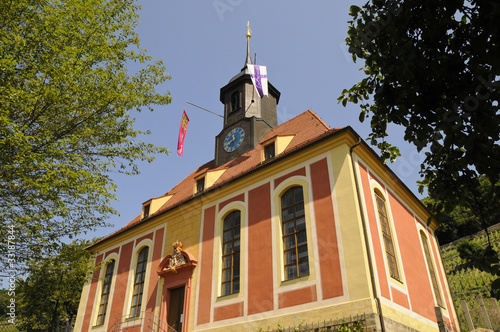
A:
(187, 102)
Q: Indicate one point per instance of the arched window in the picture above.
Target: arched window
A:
(106, 289)
(140, 276)
(387, 236)
(231, 254)
(235, 101)
(430, 267)
(295, 255)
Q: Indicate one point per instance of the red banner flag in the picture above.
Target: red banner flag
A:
(182, 133)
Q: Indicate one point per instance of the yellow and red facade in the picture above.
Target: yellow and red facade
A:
(348, 266)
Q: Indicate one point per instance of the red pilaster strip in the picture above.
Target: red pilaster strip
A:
(153, 275)
(91, 299)
(328, 249)
(206, 266)
(120, 286)
(260, 276)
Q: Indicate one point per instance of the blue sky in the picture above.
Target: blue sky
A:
(203, 45)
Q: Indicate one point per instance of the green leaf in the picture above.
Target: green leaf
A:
(354, 10)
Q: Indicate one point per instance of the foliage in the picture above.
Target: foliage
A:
(50, 295)
(65, 99)
(4, 301)
(464, 219)
(466, 280)
(433, 67)
(480, 257)
(354, 327)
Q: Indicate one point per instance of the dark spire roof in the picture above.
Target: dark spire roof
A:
(248, 60)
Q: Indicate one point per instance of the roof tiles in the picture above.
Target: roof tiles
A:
(306, 128)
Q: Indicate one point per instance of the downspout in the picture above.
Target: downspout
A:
(365, 233)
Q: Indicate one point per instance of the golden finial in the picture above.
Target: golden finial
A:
(249, 31)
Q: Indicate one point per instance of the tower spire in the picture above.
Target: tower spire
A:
(248, 35)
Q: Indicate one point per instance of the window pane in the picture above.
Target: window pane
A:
(200, 185)
(228, 223)
(290, 257)
(390, 260)
(226, 275)
(287, 214)
(299, 210)
(300, 224)
(236, 259)
(301, 239)
(290, 242)
(228, 235)
(288, 228)
(385, 226)
(143, 255)
(226, 262)
(269, 151)
(303, 269)
(303, 254)
(299, 197)
(105, 287)
(237, 219)
(228, 248)
(287, 199)
(236, 272)
(226, 289)
(236, 286)
(388, 245)
(291, 272)
(237, 232)
(134, 300)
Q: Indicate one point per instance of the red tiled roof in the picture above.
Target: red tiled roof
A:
(306, 128)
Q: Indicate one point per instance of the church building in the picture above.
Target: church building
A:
(290, 224)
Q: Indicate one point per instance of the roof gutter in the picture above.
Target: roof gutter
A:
(365, 233)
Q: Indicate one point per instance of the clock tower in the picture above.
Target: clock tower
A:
(247, 116)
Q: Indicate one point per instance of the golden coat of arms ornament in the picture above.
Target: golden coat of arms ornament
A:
(176, 259)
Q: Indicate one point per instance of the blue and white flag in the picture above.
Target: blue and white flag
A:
(259, 78)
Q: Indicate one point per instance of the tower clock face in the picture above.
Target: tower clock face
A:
(234, 139)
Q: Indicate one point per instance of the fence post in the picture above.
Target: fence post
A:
(494, 310)
(485, 313)
(465, 309)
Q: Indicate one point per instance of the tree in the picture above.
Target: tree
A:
(432, 66)
(50, 295)
(65, 123)
(464, 220)
(4, 302)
